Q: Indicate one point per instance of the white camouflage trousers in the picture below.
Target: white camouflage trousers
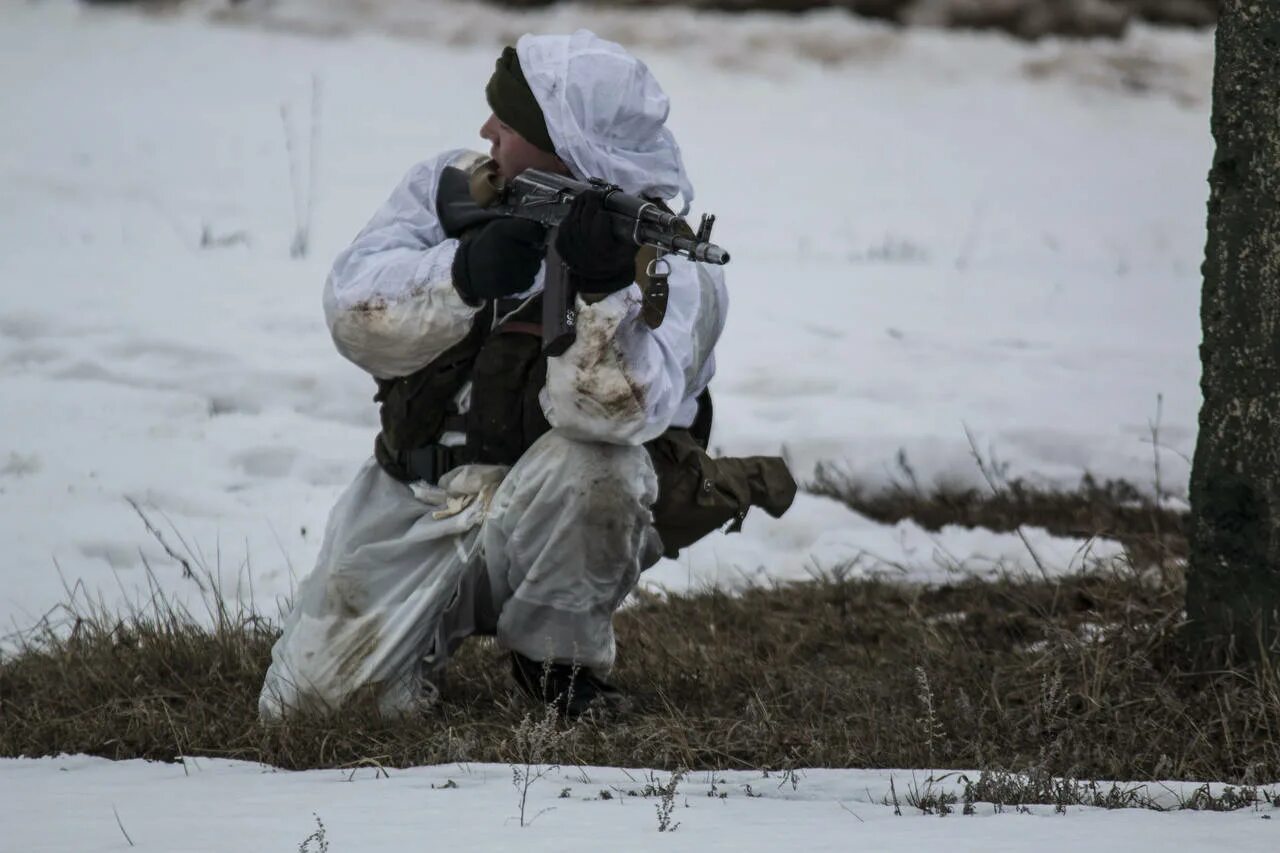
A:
(540, 555)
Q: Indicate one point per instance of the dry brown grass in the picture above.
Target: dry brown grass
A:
(1081, 677)
(1084, 677)
(1152, 533)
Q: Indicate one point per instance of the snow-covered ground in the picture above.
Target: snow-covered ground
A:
(930, 232)
(87, 804)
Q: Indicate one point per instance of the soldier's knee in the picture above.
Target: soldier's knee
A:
(596, 474)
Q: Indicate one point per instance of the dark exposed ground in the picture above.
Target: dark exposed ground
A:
(1152, 533)
(1029, 19)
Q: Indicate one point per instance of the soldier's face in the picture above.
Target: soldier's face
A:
(513, 153)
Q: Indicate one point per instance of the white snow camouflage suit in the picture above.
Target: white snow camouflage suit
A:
(543, 553)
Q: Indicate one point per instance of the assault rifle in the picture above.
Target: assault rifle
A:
(471, 193)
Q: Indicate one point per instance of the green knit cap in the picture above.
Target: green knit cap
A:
(513, 103)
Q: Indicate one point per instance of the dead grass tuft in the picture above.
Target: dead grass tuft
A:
(1151, 532)
(1081, 677)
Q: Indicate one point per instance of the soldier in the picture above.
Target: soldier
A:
(511, 494)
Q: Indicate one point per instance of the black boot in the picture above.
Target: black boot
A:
(572, 690)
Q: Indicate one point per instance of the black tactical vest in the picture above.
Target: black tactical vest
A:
(507, 370)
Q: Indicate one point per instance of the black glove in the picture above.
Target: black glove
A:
(498, 259)
(601, 262)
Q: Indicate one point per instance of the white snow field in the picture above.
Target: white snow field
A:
(930, 232)
(206, 806)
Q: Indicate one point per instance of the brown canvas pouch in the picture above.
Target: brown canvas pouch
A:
(699, 493)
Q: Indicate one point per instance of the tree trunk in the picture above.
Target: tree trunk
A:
(1233, 582)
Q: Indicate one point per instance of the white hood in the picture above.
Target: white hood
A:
(605, 113)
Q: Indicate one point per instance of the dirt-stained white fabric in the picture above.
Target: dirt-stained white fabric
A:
(625, 383)
(565, 541)
(542, 557)
(389, 299)
(392, 308)
(390, 562)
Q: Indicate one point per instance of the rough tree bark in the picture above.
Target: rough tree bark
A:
(1233, 583)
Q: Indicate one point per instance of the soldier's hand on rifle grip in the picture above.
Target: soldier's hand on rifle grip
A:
(599, 260)
(498, 259)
